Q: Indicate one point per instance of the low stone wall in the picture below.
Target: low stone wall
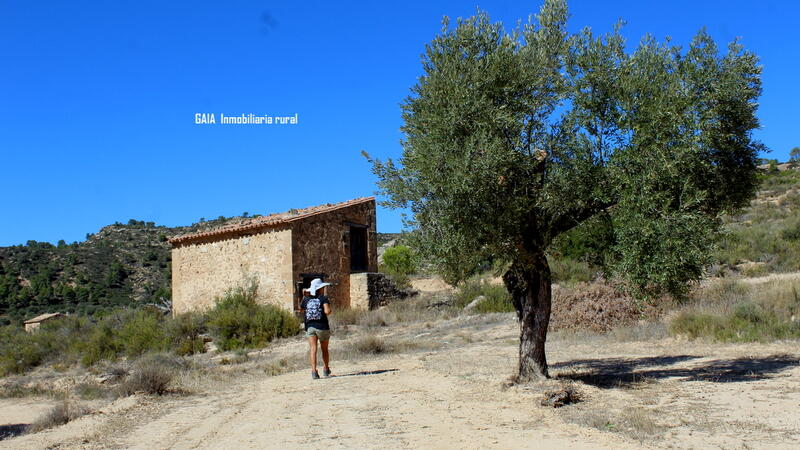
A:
(370, 290)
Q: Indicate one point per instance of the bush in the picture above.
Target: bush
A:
(496, 297)
(398, 264)
(101, 343)
(18, 352)
(152, 375)
(185, 332)
(238, 321)
(399, 260)
(61, 414)
(143, 331)
(370, 345)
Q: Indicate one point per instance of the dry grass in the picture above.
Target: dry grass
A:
(152, 375)
(372, 345)
(634, 422)
(423, 308)
(737, 311)
(62, 413)
(565, 394)
(598, 307)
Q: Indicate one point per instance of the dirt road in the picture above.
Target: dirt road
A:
(658, 392)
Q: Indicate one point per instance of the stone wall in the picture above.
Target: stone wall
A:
(359, 290)
(320, 244)
(203, 271)
(370, 290)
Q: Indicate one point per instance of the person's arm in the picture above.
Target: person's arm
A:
(327, 308)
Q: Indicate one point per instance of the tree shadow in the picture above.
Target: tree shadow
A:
(12, 430)
(365, 372)
(630, 372)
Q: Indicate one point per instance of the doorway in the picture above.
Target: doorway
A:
(358, 249)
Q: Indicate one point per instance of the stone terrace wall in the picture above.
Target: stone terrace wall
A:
(203, 271)
(319, 245)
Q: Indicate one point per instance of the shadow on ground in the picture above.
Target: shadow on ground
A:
(364, 372)
(626, 373)
(9, 431)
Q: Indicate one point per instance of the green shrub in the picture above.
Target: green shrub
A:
(399, 260)
(185, 332)
(238, 321)
(18, 352)
(102, 343)
(144, 331)
(398, 264)
(497, 298)
(568, 270)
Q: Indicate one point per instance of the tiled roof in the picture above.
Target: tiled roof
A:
(271, 220)
(43, 317)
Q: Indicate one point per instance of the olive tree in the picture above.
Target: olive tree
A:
(513, 137)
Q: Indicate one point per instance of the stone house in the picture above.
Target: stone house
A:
(283, 253)
(32, 324)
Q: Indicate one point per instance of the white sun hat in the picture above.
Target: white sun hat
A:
(316, 284)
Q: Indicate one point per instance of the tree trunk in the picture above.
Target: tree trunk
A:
(530, 287)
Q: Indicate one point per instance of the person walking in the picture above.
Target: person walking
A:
(317, 307)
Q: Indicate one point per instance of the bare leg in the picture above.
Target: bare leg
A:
(325, 356)
(312, 354)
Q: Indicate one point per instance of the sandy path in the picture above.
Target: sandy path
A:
(387, 403)
(660, 392)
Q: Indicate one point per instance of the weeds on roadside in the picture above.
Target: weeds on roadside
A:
(732, 311)
(64, 412)
(152, 375)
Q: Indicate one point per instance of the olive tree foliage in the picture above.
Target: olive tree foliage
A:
(513, 137)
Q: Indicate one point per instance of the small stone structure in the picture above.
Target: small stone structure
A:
(370, 290)
(283, 253)
(32, 324)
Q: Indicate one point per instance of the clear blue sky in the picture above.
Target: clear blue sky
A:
(97, 99)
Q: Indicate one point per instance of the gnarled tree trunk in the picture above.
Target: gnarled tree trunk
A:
(530, 286)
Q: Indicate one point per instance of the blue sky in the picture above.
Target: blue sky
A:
(97, 99)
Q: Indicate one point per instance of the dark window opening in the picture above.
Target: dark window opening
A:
(304, 282)
(358, 249)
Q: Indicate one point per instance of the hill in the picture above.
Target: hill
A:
(120, 265)
(124, 264)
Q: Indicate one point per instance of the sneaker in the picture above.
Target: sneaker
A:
(314, 375)
(326, 372)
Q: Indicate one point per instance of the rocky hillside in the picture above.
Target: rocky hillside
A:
(119, 265)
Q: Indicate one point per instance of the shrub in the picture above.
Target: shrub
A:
(734, 312)
(64, 412)
(399, 260)
(568, 270)
(17, 351)
(238, 321)
(90, 391)
(185, 332)
(370, 345)
(102, 343)
(143, 331)
(496, 297)
(398, 264)
(152, 375)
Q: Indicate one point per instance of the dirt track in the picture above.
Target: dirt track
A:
(660, 393)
